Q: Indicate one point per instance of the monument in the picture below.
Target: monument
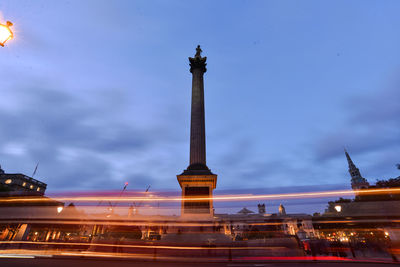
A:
(197, 181)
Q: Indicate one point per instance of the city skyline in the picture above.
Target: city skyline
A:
(281, 101)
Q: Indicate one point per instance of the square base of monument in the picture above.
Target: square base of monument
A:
(195, 188)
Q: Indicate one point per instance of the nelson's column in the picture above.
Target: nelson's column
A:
(197, 181)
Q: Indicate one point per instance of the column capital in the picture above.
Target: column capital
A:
(198, 62)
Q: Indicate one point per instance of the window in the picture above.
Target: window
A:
(8, 181)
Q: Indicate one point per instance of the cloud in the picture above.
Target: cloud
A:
(372, 125)
(81, 143)
(370, 133)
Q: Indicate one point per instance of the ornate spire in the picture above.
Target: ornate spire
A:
(349, 161)
(357, 181)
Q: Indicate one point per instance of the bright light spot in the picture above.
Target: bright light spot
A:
(8, 181)
(60, 209)
(386, 233)
(31, 186)
(338, 208)
(5, 33)
(17, 256)
(38, 189)
(36, 233)
(24, 184)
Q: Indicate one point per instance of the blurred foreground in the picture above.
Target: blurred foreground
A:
(111, 227)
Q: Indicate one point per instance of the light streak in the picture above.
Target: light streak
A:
(22, 253)
(151, 221)
(214, 198)
(138, 246)
(17, 256)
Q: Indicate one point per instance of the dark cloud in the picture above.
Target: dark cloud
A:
(372, 125)
(370, 133)
(80, 145)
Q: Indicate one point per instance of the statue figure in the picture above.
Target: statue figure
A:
(198, 61)
(198, 52)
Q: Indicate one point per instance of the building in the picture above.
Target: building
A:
(367, 216)
(17, 182)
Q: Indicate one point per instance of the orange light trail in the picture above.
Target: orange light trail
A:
(138, 246)
(22, 253)
(215, 198)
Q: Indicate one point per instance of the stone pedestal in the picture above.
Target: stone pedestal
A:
(197, 192)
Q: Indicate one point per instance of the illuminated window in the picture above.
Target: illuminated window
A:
(8, 181)
(31, 186)
(24, 184)
(38, 189)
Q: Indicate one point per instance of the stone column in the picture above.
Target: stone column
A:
(197, 181)
(197, 122)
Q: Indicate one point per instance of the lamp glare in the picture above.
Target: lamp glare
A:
(5, 33)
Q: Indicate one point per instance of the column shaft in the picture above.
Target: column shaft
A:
(197, 123)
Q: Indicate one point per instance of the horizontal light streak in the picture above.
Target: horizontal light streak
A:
(178, 223)
(22, 253)
(214, 198)
(138, 246)
(17, 256)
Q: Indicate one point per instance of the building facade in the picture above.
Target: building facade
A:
(17, 182)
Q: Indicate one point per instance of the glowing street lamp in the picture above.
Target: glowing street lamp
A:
(60, 209)
(338, 208)
(5, 33)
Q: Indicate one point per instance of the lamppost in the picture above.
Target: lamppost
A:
(60, 209)
(5, 33)
(338, 208)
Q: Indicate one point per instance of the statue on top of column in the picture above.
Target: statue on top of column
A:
(198, 51)
(198, 62)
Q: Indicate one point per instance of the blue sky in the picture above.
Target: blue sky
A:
(99, 91)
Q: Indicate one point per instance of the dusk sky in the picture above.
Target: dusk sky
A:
(99, 92)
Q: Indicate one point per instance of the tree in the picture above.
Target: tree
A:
(392, 182)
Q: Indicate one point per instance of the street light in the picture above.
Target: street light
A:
(5, 33)
(338, 208)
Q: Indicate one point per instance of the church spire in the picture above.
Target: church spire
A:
(349, 161)
(357, 181)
